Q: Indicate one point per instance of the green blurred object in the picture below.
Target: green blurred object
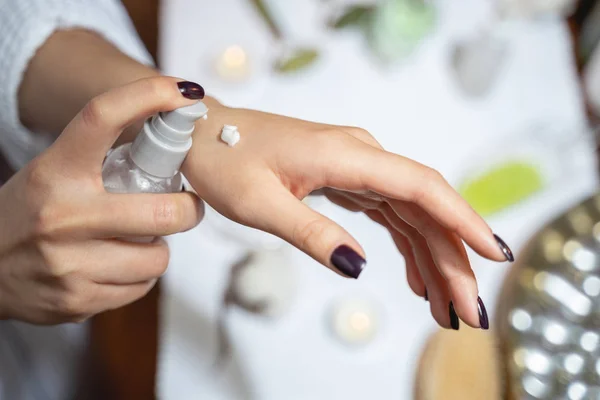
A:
(355, 16)
(268, 18)
(398, 26)
(300, 59)
(502, 186)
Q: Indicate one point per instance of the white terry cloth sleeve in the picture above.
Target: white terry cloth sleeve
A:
(24, 27)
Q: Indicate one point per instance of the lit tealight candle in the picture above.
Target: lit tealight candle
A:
(233, 63)
(354, 321)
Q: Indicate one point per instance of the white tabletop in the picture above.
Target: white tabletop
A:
(413, 109)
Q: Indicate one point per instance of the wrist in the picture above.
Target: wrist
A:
(205, 130)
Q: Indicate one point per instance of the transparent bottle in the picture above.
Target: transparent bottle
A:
(151, 163)
(122, 175)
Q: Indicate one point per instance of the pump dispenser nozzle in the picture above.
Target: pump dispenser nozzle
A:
(161, 146)
(183, 119)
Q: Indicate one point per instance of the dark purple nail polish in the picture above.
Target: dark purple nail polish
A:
(426, 297)
(505, 249)
(453, 317)
(191, 90)
(483, 317)
(348, 261)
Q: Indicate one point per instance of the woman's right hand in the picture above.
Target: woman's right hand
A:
(60, 259)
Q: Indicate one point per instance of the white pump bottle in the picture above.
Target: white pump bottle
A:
(151, 163)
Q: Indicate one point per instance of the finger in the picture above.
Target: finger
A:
(285, 216)
(130, 262)
(109, 297)
(133, 215)
(365, 201)
(342, 201)
(112, 261)
(446, 248)
(413, 276)
(400, 178)
(355, 202)
(362, 135)
(450, 258)
(437, 289)
(88, 137)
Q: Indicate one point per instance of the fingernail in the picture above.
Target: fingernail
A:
(348, 261)
(505, 249)
(426, 297)
(453, 317)
(483, 317)
(191, 90)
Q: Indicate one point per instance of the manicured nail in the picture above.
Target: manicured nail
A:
(426, 297)
(191, 90)
(348, 261)
(505, 249)
(483, 317)
(453, 317)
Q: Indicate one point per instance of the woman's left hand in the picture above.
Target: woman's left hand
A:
(261, 181)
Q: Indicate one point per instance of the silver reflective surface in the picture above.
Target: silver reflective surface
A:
(549, 313)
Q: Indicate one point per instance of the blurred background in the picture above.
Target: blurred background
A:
(500, 96)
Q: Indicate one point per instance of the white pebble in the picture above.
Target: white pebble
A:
(230, 135)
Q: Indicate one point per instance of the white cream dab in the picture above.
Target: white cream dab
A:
(230, 135)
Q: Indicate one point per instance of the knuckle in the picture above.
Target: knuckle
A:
(364, 136)
(36, 176)
(55, 264)
(160, 88)
(458, 276)
(46, 220)
(429, 179)
(93, 112)
(431, 176)
(166, 215)
(72, 304)
(358, 132)
(312, 232)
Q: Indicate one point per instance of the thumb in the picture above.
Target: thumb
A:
(316, 235)
(88, 137)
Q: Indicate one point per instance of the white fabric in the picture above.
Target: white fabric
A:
(24, 27)
(38, 362)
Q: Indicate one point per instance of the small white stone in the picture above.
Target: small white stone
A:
(205, 117)
(230, 135)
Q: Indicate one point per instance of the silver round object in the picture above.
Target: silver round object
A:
(549, 314)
